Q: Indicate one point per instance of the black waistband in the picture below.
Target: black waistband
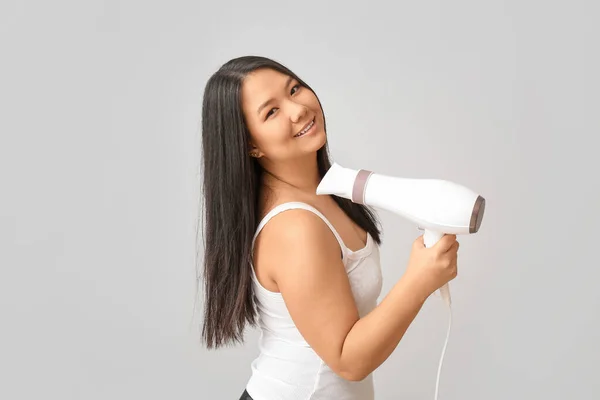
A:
(245, 396)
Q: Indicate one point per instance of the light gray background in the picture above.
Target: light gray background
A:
(99, 158)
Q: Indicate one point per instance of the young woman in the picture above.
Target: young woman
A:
(303, 268)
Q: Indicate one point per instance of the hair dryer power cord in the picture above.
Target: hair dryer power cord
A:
(437, 384)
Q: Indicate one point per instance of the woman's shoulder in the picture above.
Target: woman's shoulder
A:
(284, 202)
(291, 217)
(301, 219)
(294, 237)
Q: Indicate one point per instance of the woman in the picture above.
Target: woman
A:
(304, 268)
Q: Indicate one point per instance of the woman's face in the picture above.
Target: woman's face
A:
(277, 108)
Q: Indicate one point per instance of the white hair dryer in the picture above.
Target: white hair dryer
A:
(438, 207)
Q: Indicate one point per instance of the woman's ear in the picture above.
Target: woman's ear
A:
(254, 152)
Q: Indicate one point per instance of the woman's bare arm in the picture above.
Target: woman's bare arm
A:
(302, 256)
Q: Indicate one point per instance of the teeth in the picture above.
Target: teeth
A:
(306, 129)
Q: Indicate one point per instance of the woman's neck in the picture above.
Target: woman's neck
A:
(298, 175)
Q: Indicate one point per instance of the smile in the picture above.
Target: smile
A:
(306, 130)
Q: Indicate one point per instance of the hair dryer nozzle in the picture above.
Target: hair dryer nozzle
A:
(337, 181)
(477, 215)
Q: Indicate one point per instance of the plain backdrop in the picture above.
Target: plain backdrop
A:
(99, 185)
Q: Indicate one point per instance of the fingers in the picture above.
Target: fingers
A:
(455, 265)
(419, 242)
(454, 258)
(454, 252)
(445, 243)
(454, 247)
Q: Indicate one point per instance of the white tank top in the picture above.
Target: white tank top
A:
(287, 368)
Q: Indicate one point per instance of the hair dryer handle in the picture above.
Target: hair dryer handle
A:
(431, 238)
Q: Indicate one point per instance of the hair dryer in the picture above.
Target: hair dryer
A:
(438, 207)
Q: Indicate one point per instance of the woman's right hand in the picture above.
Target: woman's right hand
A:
(433, 267)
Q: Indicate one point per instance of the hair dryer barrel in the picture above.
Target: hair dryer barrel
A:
(432, 204)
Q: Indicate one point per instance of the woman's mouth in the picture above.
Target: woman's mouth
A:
(309, 129)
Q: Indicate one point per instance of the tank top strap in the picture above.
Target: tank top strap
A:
(295, 205)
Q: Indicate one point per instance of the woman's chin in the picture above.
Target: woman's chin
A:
(318, 140)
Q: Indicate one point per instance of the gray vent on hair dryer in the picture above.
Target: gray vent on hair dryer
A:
(477, 215)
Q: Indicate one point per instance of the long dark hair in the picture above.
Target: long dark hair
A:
(231, 184)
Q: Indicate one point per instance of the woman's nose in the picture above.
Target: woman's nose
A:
(298, 112)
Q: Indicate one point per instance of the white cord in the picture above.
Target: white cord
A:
(437, 384)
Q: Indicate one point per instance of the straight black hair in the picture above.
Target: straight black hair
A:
(230, 196)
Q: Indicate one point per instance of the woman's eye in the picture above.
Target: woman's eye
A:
(269, 113)
(297, 87)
